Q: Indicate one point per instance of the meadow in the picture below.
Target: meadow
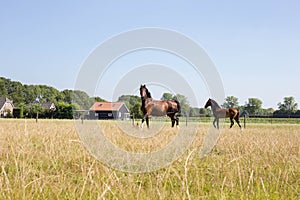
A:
(48, 160)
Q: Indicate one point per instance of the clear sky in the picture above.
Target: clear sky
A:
(255, 46)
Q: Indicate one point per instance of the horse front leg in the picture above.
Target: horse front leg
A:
(145, 118)
(218, 123)
(142, 124)
(147, 121)
(232, 122)
(214, 122)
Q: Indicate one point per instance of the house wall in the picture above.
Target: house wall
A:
(122, 113)
(5, 107)
(106, 114)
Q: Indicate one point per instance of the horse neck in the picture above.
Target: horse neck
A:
(214, 106)
(144, 99)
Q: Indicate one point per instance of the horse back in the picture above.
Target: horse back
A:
(232, 112)
(173, 106)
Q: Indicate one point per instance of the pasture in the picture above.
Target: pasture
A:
(47, 160)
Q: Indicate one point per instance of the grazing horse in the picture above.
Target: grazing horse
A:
(149, 107)
(232, 113)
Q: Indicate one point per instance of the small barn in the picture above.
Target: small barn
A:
(6, 107)
(109, 110)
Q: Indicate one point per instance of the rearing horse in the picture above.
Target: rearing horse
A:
(149, 107)
(232, 113)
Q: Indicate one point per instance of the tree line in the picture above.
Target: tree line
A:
(27, 99)
(67, 101)
(253, 107)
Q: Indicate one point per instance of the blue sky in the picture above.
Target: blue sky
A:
(255, 45)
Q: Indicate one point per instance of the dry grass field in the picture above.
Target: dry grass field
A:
(47, 160)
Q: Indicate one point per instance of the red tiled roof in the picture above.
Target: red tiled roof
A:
(106, 106)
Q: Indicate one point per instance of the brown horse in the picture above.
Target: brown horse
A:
(232, 113)
(151, 107)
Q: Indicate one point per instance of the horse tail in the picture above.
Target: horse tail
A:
(178, 107)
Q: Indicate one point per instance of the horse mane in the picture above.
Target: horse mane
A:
(215, 103)
(148, 93)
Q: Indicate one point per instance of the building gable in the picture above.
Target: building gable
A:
(6, 106)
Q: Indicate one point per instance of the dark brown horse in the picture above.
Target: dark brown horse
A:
(218, 112)
(151, 107)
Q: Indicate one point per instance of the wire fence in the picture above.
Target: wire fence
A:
(256, 119)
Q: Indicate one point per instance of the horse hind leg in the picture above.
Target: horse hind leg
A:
(173, 119)
(173, 122)
(238, 121)
(177, 121)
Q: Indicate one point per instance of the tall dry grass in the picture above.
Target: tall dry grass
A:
(47, 160)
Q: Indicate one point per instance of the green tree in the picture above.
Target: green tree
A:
(49, 94)
(133, 103)
(205, 112)
(64, 110)
(19, 111)
(268, 111)
(16, 93)
(36, 109)
(8, 113)
(29, 93)
(184, 103)
(99, 99)
(3, 91)
(136, 110)
(230, 102)
(67, 96)
(167, 96)
(194, 112)
(289, 106)
(253, 107)
(82, 99)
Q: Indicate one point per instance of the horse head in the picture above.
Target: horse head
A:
(144, 92)
(208, 103)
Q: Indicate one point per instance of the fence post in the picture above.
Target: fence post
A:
(186, 120)
(244, 120)
(132, 119)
